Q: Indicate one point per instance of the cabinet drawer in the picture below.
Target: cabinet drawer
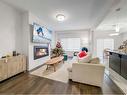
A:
(115, 62)
(3, 70)
(124, 66)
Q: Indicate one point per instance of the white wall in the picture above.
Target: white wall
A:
(10, 29)
(16, 34)
(105, 35)
(25, 37)
(124, 36)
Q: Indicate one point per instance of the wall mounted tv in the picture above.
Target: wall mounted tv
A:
(41, 33)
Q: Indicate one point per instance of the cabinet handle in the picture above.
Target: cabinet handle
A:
(120, 55)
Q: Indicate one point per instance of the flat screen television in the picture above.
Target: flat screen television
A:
(41, 33)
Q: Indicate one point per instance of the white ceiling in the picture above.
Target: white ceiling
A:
(114, 18)
(80, 14)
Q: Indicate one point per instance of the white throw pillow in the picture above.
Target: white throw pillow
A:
(85, 59)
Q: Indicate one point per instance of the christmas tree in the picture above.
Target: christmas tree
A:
(58, 51)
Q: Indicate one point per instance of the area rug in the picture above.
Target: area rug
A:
(61, 73)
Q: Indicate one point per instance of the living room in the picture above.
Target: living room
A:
(54, 48)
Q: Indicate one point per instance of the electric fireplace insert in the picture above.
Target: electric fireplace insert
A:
(40, 51)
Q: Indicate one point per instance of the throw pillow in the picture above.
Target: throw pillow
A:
(82, 54)
(85, 59)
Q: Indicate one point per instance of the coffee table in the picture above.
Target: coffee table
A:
(54, 61)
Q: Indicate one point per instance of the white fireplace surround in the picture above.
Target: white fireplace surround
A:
(28, 45)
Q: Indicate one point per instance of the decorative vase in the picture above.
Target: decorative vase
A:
(14, 53)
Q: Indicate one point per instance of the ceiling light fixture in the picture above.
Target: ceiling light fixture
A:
(114, 34)
(117, 27)
(60, 17)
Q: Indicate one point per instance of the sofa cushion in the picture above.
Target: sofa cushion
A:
(95, 60)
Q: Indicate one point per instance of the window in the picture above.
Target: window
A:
(70, 44)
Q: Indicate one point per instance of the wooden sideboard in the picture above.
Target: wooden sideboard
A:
(118, 62)
(11, 66)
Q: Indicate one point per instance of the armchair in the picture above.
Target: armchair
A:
(88, 73)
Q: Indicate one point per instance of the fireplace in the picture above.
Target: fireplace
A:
(40, 51)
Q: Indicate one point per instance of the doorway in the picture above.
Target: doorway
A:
(104, 44)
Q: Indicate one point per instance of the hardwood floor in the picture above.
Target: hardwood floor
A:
(29, 84)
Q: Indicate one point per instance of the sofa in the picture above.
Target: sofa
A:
(91, 73)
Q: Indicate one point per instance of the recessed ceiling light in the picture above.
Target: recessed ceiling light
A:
(60, 17)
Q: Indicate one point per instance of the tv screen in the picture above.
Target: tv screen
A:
(40, 33)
